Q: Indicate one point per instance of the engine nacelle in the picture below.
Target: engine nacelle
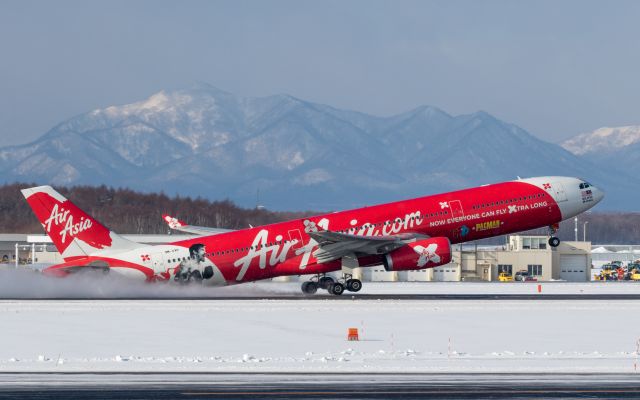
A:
(421, 254)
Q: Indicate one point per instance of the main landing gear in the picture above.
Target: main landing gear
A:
(347, 282)
(553, 240)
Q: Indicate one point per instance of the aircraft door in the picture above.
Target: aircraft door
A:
(294, 234)
(557, 191)
(156, 261)
(456, 209)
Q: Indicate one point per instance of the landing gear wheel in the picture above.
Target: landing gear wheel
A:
(337, 288)
(325, 282)
(554, 241)
(354, 285)
(309, 287)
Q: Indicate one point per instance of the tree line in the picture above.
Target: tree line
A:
(127, 211)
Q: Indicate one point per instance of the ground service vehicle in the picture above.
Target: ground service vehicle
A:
(523, 276)
(633, 272)
(505, 277)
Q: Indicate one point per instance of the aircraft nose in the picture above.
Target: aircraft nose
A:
(598, 194)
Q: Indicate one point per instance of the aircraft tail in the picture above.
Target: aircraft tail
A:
(74, 233)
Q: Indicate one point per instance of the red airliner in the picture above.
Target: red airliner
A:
(405, 235)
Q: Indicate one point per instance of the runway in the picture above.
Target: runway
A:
(361, 297)
(302, 385)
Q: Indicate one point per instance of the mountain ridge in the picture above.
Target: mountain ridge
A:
(203, 141)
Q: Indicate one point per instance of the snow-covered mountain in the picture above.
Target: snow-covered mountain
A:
(611, 149)
(299, 155)
(603, 140)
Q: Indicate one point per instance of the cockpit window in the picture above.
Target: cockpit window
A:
(585, 185)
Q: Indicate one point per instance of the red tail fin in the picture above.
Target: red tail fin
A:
(73, 231)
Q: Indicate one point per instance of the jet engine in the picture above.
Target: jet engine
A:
(421, 254)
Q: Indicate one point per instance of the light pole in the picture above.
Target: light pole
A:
(575, 229)
(584, 231)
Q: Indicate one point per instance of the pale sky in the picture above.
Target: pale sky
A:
(555, 68)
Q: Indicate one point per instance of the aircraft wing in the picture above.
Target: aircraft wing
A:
(178, 225)
(335, 245)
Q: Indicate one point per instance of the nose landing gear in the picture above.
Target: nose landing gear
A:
(553, 240)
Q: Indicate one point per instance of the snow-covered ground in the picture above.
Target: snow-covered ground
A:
(311, 335)
(260, 335)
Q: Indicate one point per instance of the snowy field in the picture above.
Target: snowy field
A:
(259, 335)
(298, 336)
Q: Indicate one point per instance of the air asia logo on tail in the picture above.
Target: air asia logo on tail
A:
(427, 254)
(65, 222)
(173, 223)
(61, 216)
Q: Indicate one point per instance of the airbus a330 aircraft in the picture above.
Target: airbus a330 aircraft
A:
(404, 235)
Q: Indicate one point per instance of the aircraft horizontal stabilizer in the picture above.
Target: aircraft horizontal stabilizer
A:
(181, 226)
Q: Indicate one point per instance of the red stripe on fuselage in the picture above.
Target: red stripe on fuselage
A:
(65, 268)
(460, 216)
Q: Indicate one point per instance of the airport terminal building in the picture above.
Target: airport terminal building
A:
(571, 261)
